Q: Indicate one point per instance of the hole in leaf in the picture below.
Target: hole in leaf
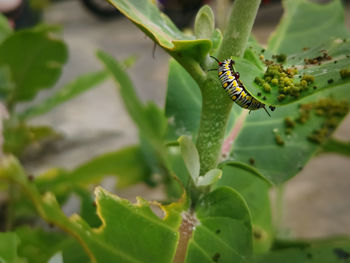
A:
(157, 210)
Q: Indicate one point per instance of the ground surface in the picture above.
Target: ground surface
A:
(96, 122)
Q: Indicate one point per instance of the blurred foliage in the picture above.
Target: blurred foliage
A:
(25, 70)
(221, 215)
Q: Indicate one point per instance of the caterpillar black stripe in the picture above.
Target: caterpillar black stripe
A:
(234, 87)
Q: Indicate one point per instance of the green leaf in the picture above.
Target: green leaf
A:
(178, 165)
(130, 233)
(320, 251)
(256, 139)
(127, 164)
(161, 29)
(190, 156)
(8, 247)
(35, 65)
(204, 23)
(183, 102)
(5, 29)
(253, 52)
(73, 251)
(223, 233)
(307, 32)
(325, 74)
(87, 207)
(306, 24)
(216, 39)
(67, 92)
(255, 191)
(148, 234)
(253, 135)
(211, 177)
(336, 146)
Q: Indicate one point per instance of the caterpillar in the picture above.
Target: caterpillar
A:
(234, 87)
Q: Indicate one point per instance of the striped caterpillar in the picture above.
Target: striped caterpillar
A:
(234, 87)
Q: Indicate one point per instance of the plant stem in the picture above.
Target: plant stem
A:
(216, 105)
(239, 28)
(222, 8)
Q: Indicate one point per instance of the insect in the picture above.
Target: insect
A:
(234, 87)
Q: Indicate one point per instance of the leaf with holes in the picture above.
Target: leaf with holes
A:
(129, 233)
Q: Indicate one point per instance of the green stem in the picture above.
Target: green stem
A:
(239, 28)
(216, 105)
(223, 10)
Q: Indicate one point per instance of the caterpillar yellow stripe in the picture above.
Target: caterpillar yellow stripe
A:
(234, 87)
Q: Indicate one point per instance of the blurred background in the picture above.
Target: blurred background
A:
(96, 122)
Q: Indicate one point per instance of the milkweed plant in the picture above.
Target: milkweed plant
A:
(216, 161)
